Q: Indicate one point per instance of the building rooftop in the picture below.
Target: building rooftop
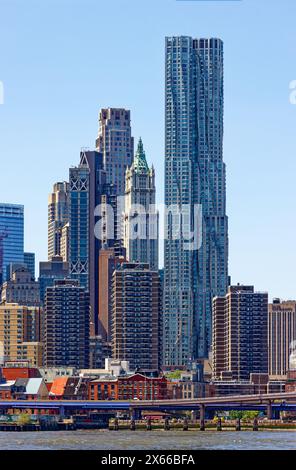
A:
(140, 163)
(33, 386)
(58, 386)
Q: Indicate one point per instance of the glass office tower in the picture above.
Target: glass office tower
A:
(29, 260)
(87, 188)
(79, 222)
(11, 237)
(194, 179)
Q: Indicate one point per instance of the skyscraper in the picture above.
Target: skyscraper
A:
(20, 332)
(21, 289)
(87, 187)
(49, 272)
(135, 320)
(141, 217)
(66, 325)
(108, 262)
(281, 334)
(29, 261)
(240, 343)
(11, 237)
(195, 270)
(79, 222)
(65, 242)
(58, 216)
(116, 144)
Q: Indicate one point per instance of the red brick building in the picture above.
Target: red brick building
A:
(174, 390)
(69, 388)
(142, 387)
(291, 381)
(7, 391)
(132, 387)
(14, 373)
(103, 389)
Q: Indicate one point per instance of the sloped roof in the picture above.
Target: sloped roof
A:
(48, 385)
(21, 382)
(33, 386)
(58, 386)
(140, 163)
(7, 385)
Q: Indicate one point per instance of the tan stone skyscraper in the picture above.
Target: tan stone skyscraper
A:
(281, 334)
(21, 289)
(58, 217)
(116, 144)
(65, 242)
(20, 333)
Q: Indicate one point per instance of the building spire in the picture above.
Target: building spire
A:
(140, 163)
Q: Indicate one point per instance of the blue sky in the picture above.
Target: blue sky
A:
(62, 60)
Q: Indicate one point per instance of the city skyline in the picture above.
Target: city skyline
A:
(147, 227)
(259, 117)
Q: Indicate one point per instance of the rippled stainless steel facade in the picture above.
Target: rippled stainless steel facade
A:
(194, 177)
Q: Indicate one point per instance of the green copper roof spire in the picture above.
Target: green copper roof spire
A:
(140, 163)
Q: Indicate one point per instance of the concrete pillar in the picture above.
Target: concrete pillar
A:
(202, 411)
(166, 424)
(219, 424)
(276, 414)
(269, 411)
(149, 424)
(132, 425)
(135, 414)
(62, 412)
(193, 416)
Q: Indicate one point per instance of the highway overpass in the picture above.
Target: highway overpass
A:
(268, 402)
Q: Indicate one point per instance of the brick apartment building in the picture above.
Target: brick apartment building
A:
(132, 387)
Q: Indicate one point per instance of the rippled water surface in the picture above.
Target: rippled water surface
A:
(157, 440)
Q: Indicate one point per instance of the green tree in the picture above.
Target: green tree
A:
(24, 419)
(176, 374)
(243, 415)
(250, 415)
(236, 414)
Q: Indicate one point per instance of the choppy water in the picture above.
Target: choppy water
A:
(144, 440)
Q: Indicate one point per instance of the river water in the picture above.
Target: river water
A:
(144, 440)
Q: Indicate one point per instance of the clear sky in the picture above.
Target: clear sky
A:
(62, 60)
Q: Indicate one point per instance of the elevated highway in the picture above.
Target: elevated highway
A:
(270, 402)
